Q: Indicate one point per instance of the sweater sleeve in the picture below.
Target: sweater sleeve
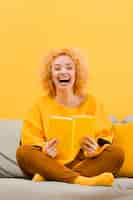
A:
(104, 133)
(32, 130)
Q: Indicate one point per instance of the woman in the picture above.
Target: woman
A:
(65, 79)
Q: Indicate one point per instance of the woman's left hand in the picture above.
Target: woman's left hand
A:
(89, 144)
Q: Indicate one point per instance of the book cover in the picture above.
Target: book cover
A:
(70, 131)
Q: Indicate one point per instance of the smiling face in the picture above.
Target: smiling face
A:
(63, 72)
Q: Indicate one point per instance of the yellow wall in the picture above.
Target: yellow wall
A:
(101, 28)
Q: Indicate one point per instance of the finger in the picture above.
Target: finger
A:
(90, 139)
(52, 153)
(52, 142)
(87, 142)
(84, 147)
(90, 145)
(51, 148)
(88, 148)
(90, 151)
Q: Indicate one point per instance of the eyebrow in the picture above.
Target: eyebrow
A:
(57, 64)
(60, 64)
(68, 63)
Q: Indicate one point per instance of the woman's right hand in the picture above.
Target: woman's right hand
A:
(50, 147)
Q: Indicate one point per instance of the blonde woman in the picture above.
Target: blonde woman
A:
(64, 78)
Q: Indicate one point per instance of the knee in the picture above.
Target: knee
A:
(23, 156)
(117, 154)
(21, 152)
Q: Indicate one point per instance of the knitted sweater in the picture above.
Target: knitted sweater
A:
(35, 123)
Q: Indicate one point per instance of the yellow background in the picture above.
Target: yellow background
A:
(101, 28)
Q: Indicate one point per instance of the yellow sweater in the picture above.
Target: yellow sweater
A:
(36, 120)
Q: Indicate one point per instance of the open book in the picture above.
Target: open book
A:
(70, 131)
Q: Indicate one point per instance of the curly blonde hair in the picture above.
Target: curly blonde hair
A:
(81, 81)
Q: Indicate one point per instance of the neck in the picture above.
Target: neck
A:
(65, 96)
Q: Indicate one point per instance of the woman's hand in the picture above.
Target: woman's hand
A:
(89, 145)
(50, 148)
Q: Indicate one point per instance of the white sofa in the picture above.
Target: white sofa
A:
(14, 185)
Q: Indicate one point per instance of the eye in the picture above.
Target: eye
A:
(69, 67)
(57, 68)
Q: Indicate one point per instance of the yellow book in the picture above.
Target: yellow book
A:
(70, 131)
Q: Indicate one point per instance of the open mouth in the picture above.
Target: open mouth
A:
(64, 80)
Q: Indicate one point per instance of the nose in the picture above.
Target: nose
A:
(63, 70)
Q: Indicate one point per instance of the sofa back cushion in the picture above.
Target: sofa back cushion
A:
(10, 131)
(124, 136)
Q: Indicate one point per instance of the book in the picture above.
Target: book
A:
(69, 131)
